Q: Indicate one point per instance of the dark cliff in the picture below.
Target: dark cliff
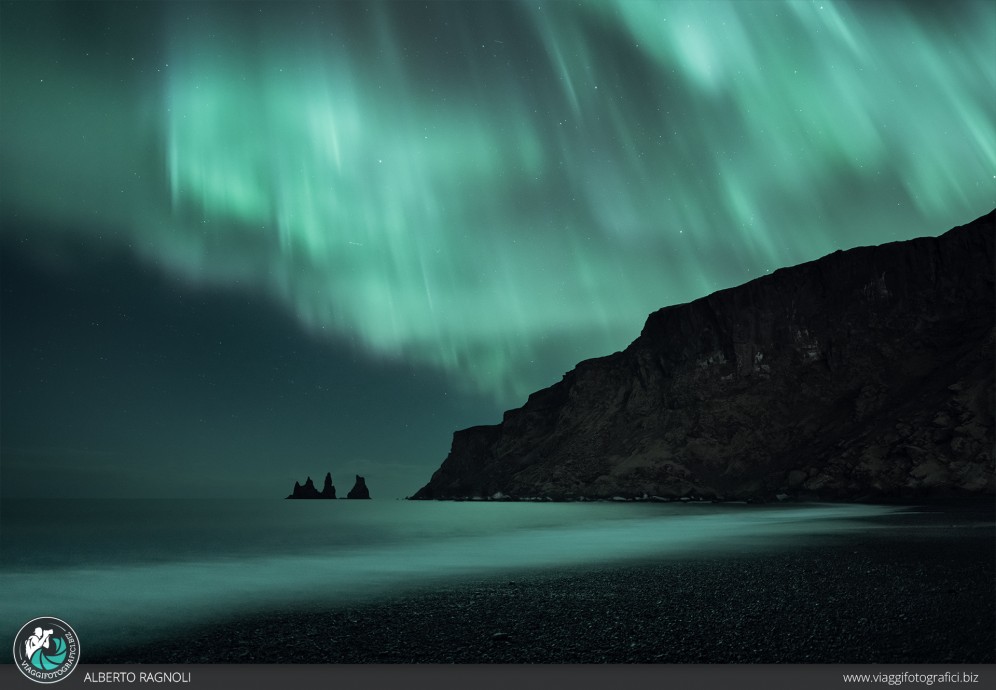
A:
(868, 372)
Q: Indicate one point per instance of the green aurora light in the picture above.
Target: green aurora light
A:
(499, 190)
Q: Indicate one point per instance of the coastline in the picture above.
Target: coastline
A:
(918, 588)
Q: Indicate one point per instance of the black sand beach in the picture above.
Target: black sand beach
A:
(917, 588)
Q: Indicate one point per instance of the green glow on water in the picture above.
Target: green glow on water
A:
(184, 562)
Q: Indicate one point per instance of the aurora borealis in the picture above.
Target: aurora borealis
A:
(477, 194)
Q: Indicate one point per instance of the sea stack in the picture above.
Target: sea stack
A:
(328, 491)
(359, 489)
(309, 490)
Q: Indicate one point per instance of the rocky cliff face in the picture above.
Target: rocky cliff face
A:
(865, 373)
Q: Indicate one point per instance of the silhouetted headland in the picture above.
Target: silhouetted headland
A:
(866, 374)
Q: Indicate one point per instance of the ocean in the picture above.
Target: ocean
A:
(123, 572)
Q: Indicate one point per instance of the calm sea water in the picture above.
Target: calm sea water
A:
(125, 570)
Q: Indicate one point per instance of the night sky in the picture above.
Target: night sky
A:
(243, 243)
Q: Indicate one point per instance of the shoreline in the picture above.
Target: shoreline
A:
(916, 589)
(950, 499)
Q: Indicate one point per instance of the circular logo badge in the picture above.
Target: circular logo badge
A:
(46, 650)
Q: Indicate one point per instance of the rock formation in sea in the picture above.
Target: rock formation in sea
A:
(328, 491)
(359, 489)
(868, 372)
(309, 490)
